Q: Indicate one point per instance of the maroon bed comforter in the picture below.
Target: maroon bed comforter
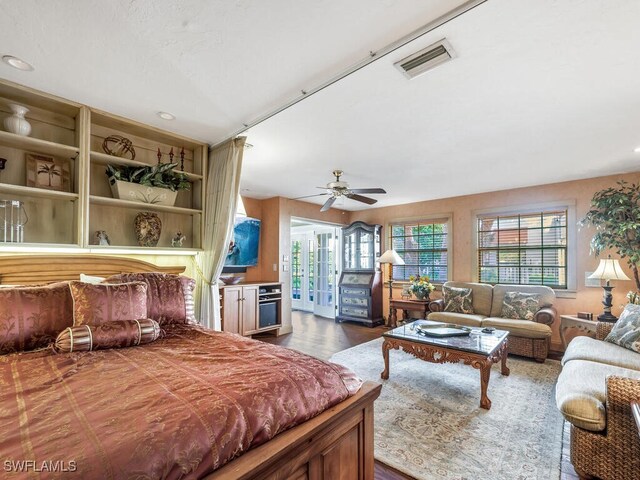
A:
(176, 408)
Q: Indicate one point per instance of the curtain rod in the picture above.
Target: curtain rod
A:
(373, 56)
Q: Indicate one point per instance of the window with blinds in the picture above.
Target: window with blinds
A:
(423, 245)
(525, 249)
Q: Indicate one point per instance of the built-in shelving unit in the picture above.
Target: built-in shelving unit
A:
(115, 202)
(36, 145)
(68, 217)
(37, 192)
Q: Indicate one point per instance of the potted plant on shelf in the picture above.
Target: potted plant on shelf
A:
(157, 184)
(615, 213)
(421, 287)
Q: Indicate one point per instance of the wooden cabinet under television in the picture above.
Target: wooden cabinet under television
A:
(360, 286)
(78, 200)
(251, 308)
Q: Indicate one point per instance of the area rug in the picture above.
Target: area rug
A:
(429, 424)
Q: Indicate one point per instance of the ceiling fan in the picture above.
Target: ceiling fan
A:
(339, 189)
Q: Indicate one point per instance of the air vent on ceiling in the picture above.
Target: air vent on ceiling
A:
(426, 59)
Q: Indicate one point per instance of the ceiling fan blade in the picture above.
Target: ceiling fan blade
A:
(367, 190)
(327, 204)
(309, 196)
(360, 198)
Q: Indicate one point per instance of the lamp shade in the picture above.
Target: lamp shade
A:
(240, 210)
(391, 257)
(609, 269)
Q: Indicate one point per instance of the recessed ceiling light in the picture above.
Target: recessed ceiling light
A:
(18, 63)
(637, 149)
(166, 116)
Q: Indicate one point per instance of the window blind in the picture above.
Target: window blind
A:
(423, 245)
(525, 249)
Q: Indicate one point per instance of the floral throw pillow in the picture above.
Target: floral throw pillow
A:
(458, 300)
(626, 331)
(520, 306)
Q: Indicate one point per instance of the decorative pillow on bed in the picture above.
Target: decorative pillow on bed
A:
(31, 317)
(626, 331)
(520, 306)
(458, 300)
(169, 297)
(96, 304)
(119, 334)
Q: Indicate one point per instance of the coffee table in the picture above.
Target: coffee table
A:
(480, 350)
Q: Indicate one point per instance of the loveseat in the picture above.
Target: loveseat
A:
(599, 380)
(529, 338)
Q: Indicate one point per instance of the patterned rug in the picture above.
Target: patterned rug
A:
(429, 424)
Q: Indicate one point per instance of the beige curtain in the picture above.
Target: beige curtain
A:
(223, 183)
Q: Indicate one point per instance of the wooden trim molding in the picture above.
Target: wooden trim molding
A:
(34, 269)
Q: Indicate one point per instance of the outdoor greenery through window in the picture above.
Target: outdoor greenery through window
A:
(526, 249)
(423, 247)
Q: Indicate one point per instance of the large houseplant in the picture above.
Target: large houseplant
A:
(615, 214)
(157, 184)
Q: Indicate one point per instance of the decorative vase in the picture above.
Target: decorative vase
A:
(148, 227)
(421, 296)
(16, 123)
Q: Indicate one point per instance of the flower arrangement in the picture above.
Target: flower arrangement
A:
(420, 286)
(633, 297)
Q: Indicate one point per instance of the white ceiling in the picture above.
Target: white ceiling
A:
(214, 64)
(541, 91)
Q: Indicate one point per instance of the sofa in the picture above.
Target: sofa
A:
(598, 382)
(529, 338)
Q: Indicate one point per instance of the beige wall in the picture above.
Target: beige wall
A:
(462, 253)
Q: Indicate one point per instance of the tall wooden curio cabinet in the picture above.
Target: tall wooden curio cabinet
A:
(360, 287)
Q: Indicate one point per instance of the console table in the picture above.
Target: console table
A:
(581, 324)
(407, 306)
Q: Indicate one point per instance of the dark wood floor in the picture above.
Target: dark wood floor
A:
(322, 337)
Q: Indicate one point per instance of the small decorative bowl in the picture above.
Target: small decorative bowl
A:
(230, 280)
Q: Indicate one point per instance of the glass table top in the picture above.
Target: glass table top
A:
(475, 342)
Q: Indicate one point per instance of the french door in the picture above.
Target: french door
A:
(302, 269)
(313, 271)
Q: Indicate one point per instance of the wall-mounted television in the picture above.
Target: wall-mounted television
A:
(243, 248)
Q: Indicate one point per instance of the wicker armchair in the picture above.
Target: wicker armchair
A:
(615, 453)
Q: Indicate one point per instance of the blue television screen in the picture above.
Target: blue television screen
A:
(243, 248)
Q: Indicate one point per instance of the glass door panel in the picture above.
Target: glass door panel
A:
(366, 251)
(302, 293)
(325, 273)
(296, 273)
(350, 243)
(311, 269)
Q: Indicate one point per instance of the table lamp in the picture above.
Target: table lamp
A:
(608, 269)
(390, 257)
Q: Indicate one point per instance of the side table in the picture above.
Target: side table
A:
(581, 324)
(407, 306)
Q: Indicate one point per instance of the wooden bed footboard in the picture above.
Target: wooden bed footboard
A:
(336, 444)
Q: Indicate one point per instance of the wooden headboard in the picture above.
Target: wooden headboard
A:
(33, 269)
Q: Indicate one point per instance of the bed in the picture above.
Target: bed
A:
(194, 404)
